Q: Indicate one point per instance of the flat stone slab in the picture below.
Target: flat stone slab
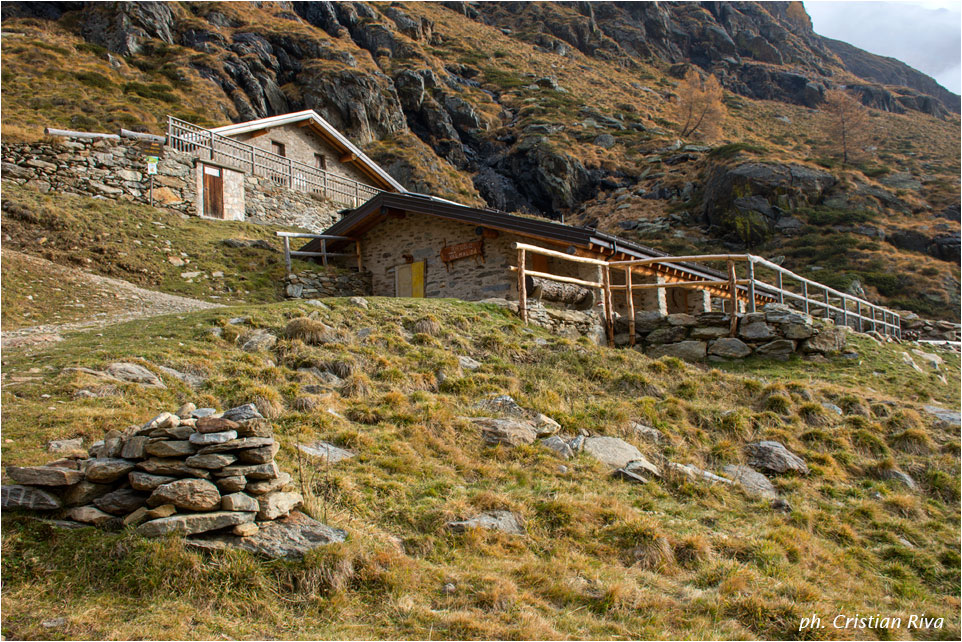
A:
(44, 475)
(289, 537)
(612, 451)
(952, 417)
(324, 450)
(27, 497)
(498, 520)
(192, 524)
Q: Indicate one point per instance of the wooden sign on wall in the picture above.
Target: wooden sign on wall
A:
(451, 253)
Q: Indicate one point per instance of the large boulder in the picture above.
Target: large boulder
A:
(507, 432)
(748, 200)
(612, 451)
(751, 480)
(774, 457)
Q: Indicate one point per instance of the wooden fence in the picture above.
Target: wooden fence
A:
(324, 255)
(845, 309)
(197, 141)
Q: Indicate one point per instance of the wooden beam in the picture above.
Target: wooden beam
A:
(631, 307)
(609, 323)
(733, 294)
(349, 157)
(522, 291)
(259, 133)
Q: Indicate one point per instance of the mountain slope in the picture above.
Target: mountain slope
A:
(559, 109)
(601, 558)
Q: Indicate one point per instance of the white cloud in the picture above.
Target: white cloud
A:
(924, 35)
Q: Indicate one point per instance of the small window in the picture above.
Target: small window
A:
(320, 161)
(278, 148)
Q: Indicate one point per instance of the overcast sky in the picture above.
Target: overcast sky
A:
(924, 35)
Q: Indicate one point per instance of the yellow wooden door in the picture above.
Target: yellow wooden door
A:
(417, 279)
(409, 280)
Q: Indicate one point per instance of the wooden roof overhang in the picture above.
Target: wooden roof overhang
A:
(579, 241)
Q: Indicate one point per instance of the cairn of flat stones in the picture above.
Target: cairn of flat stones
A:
(188, 472)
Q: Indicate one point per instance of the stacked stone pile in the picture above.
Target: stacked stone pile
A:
(775, 332)
(188, 472)
(313, 285)
(915, 327)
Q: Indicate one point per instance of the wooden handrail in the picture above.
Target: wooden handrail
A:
(755, 288)
(187, 137)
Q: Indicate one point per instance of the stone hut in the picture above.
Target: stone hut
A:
(420, 246)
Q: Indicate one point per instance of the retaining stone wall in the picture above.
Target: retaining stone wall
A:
(776, 332)
(312, 285)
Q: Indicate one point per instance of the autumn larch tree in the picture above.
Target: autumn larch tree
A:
(699, 107)
(846, 122)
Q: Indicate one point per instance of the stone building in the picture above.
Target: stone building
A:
(421, 246)
(299, 151)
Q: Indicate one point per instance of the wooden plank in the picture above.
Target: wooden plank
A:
(562, 279)
(287, 254)
(561, 255)
(360, 260)
(751, 286)
(733, 297)
(522, 292)
(609, 322)
(631, 307)
(49, 131)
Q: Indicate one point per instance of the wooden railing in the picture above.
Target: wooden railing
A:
(197, 141)
(324, 255)
(844, 309)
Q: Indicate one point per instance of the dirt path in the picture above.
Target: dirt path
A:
(110, 301)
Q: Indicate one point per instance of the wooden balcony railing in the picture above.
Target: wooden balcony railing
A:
(197, 141)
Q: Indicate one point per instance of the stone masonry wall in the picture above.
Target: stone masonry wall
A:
(776, 332)
(300, 145)
(116, 169)
(422, 237)
(101, 168)
(331, 283)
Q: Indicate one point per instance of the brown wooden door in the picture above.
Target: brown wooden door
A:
(213, 192)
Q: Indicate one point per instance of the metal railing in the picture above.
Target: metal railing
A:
(284, 172)
(844, 309)
(324, 255)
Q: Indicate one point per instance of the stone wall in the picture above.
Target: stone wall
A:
(776, 332)
(331, 283)
(418, 237)
(269, 204)
(104, 168)
(116, 169)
